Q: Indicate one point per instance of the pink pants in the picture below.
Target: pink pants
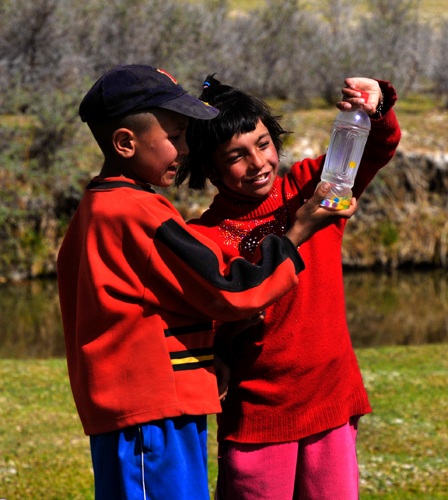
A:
(319, 467)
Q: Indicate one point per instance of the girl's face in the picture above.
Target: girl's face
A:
(248, 163)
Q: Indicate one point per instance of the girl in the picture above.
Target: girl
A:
(289, 420)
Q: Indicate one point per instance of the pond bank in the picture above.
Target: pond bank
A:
(402, 220)
(382, 309)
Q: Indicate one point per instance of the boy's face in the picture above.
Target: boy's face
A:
(248, 163)
(159, 150)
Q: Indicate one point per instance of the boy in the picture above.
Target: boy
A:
(139, 289)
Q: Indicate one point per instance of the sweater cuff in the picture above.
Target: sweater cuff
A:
(389, 99)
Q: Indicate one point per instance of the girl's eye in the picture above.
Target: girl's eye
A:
(234, 159)
(264, 145)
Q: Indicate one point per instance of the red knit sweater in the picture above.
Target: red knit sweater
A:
(298, 375)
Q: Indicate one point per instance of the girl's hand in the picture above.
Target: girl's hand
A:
(353, 99)
(312, 217)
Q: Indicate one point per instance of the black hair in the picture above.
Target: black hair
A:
(239, 113)
(103, 130)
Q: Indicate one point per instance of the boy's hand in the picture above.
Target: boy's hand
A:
(353, 99)
(243, 324)
(312, 217)
(222, 372)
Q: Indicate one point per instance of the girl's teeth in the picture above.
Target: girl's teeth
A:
(260, 177)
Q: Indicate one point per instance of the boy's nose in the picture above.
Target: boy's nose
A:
(184, 149)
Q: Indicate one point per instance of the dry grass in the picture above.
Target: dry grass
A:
(429, 9)
(423, 122)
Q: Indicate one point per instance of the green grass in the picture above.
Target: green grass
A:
(44, 453)
(403, 445)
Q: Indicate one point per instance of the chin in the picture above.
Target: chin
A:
(258, 194)
(166, 182)
(263, 192)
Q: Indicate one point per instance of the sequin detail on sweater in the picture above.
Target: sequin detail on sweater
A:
(246, 235)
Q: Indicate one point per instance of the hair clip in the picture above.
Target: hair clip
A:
(205, 85)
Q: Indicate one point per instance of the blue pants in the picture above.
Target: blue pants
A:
(165, 459)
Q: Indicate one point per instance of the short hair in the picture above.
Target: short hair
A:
(239, 113)
(136, 122)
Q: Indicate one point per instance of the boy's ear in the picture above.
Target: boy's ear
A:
(123, 142)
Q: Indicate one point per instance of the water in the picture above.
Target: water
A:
(30, 320)
(398, 309)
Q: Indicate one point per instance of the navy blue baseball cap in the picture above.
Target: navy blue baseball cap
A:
(133, 88)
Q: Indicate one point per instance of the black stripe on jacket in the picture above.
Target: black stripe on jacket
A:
(243, 275)
(184, 330)
(192, 359)
(102, 184)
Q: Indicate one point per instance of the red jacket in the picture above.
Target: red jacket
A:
(138, 290)
(295, 374)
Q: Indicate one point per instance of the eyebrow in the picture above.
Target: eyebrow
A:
(178, 126)
(238, 148)
(182, 125)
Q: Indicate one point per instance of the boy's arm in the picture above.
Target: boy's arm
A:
(186, 263)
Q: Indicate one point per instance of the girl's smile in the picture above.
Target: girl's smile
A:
(248, 163)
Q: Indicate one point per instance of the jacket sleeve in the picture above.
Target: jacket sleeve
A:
(185, 263)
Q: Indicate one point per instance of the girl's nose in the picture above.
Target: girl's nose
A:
(258, 160)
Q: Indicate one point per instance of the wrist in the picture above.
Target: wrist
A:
(294, 235)
(379, 108)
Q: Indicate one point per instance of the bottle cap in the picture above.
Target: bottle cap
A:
(364, 95)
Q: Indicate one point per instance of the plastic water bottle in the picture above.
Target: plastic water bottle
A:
(348, 139)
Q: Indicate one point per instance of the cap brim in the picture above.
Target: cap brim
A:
(188, 105)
